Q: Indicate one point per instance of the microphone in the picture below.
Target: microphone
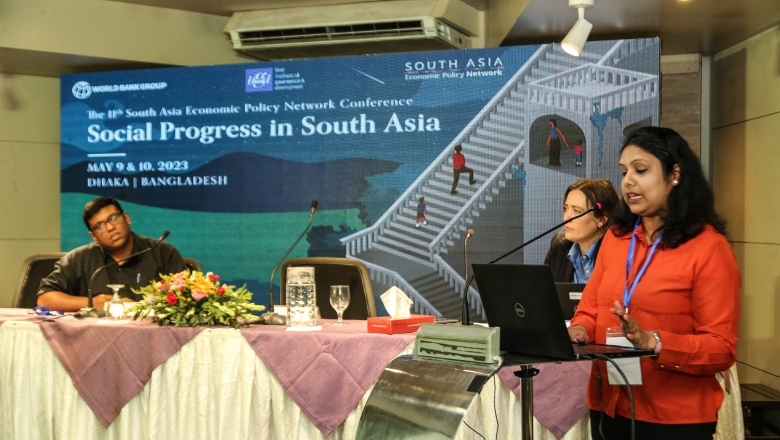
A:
(91, 312)
(603, 204)
(270, 317)
(464, 312)
(599, 206)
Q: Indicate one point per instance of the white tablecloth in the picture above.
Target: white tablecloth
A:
(214, 388)
(498, 405)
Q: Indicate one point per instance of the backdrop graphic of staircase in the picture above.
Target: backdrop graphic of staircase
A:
(493, 142)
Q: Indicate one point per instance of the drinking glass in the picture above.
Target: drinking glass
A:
(301, 297)
(116, 308)
(339, 300)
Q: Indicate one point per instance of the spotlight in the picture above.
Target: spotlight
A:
(578, 35)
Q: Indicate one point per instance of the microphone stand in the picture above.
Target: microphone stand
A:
(465, 311)
(271, 317)
(542, 235)
(89, 311)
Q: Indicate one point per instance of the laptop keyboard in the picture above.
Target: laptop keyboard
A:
(598, 349)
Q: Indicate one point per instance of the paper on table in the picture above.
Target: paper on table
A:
(314, 328)
(629, 366)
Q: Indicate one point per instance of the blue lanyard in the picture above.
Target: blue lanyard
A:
(628, 293)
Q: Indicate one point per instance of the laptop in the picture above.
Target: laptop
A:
(522, 300)
(569, 295)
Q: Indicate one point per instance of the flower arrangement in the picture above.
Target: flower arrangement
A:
(191, 299)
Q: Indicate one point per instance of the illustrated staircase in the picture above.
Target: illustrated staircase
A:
(492, 143)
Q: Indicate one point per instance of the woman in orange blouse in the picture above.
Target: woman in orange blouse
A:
(668, 277)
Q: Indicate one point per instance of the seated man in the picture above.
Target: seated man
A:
(66, 287)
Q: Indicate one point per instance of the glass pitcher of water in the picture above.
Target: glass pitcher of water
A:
(301, 297)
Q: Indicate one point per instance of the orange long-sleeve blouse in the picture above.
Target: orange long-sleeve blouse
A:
(690, 295)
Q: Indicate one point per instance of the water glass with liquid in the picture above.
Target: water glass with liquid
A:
(301, 297)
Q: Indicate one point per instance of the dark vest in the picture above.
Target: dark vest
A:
(558, 260)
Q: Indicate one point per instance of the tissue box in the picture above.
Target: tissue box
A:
(390, 326)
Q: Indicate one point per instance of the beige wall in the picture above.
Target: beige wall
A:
(29, 173)
(746, 162)
(39, 39)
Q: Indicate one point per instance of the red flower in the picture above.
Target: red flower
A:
(171, 298)
(221, 291)
(214, 278)
(181, 289)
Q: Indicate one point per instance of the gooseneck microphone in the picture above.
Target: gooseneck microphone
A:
(270, 317)
(91, 312)
(464, 312)
(600, 205)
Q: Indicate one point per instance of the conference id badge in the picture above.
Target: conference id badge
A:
(629, 366)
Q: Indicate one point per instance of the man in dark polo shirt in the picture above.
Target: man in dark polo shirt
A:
(109, 226)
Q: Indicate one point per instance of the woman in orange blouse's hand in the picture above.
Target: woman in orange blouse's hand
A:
(668, 277)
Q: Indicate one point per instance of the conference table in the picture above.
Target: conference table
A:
(89, 379)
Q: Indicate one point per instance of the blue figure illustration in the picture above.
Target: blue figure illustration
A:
(519, 173)
(599, 120)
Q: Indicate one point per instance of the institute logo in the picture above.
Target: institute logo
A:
(259, 80)
(82, 90)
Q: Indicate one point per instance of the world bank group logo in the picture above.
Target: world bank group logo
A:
(82, 90)
(260, 80)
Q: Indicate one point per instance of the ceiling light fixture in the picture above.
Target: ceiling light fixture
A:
(578, 35)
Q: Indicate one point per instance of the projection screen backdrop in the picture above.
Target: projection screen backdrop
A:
(229, 158)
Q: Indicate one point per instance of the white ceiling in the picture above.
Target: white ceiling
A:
(685, 26)
(692, 26)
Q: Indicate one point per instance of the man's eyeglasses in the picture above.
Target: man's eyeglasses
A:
(113, 219)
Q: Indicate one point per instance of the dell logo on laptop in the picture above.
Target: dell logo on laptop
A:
(520, 310)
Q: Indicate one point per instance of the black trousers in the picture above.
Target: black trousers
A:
(555, 153)
(456, 174)
(619, 428)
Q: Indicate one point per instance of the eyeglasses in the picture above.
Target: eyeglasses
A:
(113, 219)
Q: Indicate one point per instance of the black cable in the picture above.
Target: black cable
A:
(599, 385)
(495, 411)
(630, 393)
(763, 371)
(475, 431)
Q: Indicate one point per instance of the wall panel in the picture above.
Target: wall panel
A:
(746, 128)
(29, 173)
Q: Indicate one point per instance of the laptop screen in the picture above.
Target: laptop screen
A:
(523, 302)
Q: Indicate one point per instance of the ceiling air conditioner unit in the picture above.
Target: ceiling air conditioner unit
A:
(352, 29)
